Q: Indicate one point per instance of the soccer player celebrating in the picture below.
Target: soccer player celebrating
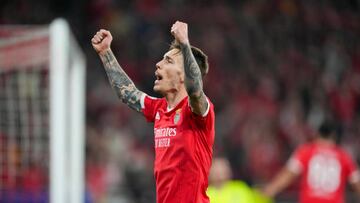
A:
(183, 119)
(325, 170)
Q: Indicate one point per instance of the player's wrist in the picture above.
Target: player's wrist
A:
(185, 45)
(184, 42)
(104, 51)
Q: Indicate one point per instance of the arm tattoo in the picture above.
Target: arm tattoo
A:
(120, 81)
(193, 81)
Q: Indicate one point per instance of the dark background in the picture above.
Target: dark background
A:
(277, 70)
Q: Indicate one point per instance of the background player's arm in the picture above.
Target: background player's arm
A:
(356, 187)
(193, 80)
(281, 181)
(119, 80)
(354, 178)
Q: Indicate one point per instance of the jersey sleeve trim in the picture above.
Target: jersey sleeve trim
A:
(207, 109)
(354, 176)
(142, 101)
(294, 166)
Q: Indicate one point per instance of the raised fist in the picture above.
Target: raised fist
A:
(101, 41)
(180, 31)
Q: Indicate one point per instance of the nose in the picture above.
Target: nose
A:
(158, 65)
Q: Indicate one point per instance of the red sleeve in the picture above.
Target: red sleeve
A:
(206, 120)
(350, 169)
(149, 107)
(297, 161)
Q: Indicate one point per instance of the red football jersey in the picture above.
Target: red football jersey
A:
(183, 150)
(325, 170)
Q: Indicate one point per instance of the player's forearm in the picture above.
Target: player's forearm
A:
(193, 80)
(281, 181)
(120, 81)
(356, 187)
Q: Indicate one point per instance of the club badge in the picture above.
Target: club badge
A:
(157, 117)
(177, 116)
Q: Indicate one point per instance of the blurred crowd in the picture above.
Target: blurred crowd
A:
(277, 70)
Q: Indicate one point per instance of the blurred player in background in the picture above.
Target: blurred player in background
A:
(183, 119)
(223, 189)
(324, 167)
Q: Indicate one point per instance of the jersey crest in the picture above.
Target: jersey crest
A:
(177, 116)
(157, 116)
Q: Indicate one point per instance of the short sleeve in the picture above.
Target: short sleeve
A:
(297, 161)
(149, 106)
(207, 119)
(352, 171)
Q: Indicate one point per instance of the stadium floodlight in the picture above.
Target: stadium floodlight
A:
(42, 117)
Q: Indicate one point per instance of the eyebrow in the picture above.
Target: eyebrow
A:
(168, 57)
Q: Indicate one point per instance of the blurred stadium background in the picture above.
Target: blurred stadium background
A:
(277, 69)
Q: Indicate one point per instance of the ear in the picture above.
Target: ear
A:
(182, 76)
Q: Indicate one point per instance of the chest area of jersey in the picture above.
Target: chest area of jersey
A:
(169, 129)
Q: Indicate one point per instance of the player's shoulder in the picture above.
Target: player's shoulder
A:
(343, 153)
(209, 110)
(306, 150)
(153, 98)
(151, 104)
(306, 147)
(156, 100)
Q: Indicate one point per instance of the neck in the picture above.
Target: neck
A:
(173, 98)
(323, 141)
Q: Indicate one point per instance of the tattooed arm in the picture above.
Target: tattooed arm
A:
(193, 78)
(119, 80)
(193, 81)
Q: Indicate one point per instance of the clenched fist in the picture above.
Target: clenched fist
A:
(101, 41)
(180, 31)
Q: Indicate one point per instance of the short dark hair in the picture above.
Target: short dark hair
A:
(327, 130)
(200, 57)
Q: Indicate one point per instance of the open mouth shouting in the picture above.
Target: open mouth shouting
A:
(158, 77)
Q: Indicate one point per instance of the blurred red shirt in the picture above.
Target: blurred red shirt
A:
(183, 150)
(325, 170)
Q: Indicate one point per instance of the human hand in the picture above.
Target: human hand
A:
(101, 41)
(180, 31)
